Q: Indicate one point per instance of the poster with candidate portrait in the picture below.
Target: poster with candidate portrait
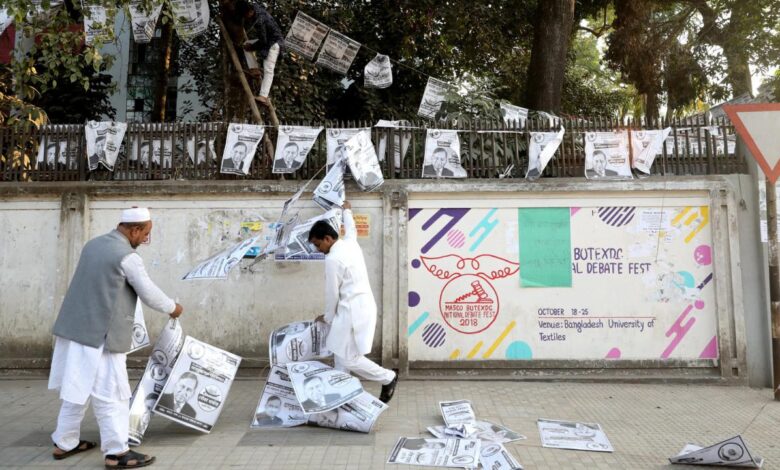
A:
(335, 140)
(494, 456)
(305, 35)
(378, 73)
(201, 151)
(147, 151)
(164, 353)
(322, 388)
(298, 341)
(363, 162)
(198, 386)
(359, 415)
(330, 193)
(295, 245)
(442, 155)
(191, 17)
(143, 21)
(278, 406)
(606, 155)
(98, 21)
(54, 151)
(433, 97)
(541, 150)
(240, 147)
(104, 139)
(458, 453)
(293, 145)
(338, 52)
(219, 265)
(645, 146)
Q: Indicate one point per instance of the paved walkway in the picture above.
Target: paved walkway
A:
(645, 423)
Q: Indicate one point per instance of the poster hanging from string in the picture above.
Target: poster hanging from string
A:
(191, 17)
(305, 35)
(103, 142)
(338, 52)
(98, 22)
(363, 162)
(513, 115)
(143, 21)
(541, 150)
(442, 155)
(645, 145)
(292, 147)
(606, 155)
(378, 73)
(433, 97)
(240, 147)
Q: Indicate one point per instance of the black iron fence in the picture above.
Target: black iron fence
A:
(489, 149)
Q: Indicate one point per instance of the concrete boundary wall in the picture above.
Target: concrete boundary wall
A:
(46, 224)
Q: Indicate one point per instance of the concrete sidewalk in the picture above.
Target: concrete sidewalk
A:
(645, 423)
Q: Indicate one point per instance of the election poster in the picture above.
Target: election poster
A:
(140, 335)
(433, 97)
(191, 17)
(322, 388)
(56, 151)
(98, 21)
(458, 453)
(198, 386)
(513, 116)
(201, 151)
(338, 52)
(732, 452)
(363, 162)
(402, 136)
(335, 140)
(295, 244)
(240, 147)
(278, 406)
(494, 456)
(442, 155)
(164, 353)
(358, 415)
(143, 21)
(104, 139)
(606, 155)
(330, 193)
(305, 35)
(573, 435)
(299, 341)
(151, 151)
(219, 265)
(457, 412)
(645, 146)
(378, 73)
(293, 146)
(541, 150)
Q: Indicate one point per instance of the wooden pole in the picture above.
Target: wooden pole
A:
(240, 71)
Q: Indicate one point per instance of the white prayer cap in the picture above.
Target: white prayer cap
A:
(136, 214)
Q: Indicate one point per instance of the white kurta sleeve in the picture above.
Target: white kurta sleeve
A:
(350, 231)
(147, 290)
(334, 272)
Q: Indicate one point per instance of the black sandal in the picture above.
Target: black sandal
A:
(76, 450)
(123, 461)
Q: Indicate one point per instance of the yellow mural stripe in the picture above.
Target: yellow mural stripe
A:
(691, 218)
(474, 351)
(499, 340)
(679, 216)
(705, 219)
(455, 354)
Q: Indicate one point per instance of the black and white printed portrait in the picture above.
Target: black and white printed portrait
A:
(437, 166)
(184, 388)
(367, 175)
(52, 152)
(316, 398)
(201, 152)
(289, 160)
(327, 419)
(238, 156)
(269, 414)
(100, 152)
(599, 166)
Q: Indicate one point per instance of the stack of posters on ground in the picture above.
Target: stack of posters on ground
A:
(729, 453)
(198, 386)
(458, 453)
(278, 407)
(166, 350)
(321, 388)
(573, 435)
(219, 265)
(299, 341)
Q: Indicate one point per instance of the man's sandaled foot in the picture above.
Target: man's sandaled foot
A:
(130, 459)
(389, 389)
(83, 446)
(263, 100)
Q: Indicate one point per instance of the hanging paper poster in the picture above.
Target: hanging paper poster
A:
(103, 142)
(240, 148)
(645, 145)
(442, 155)
(144, 22)
(433, 97)
(402, 137)
(606, 155)
(338, 52)
(293, 146)
(514, 116)
(151, 151)
(191, 17)
(305, 35)
(219, 265)
(363, 162)
(58, 151)
(336, 138)
(98, 22)
(378, 73)
(541, 150)
(330, 192)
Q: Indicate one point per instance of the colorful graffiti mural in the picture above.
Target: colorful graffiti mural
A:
(560, 283)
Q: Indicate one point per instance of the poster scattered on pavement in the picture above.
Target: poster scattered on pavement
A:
(606, 155)
(378, 73)
(164, 353)
(494, 456)
(98, 21)
(219, 265)
(144, 22)
(240, 148)
(358, 415)
(104, 140)
(436, 452)
(278, 407)
(442, 155)
(330, 193)
(433, 97)
(338, 52)
(514, 116)
(363, 162)
(321, 388)
(198, 386)
(140, 336)
(299, 341)
(645, 145)
(457, 412)
(482, 430)
(295, 245)
(729, 453)
(305, 35)
(145, 151)
(572, 435)
(191, 17)
(293, 146)
(541, 150)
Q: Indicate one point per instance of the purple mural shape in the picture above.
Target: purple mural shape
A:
(433, 335)
(679, 329)
(454, 214)
(616, 216)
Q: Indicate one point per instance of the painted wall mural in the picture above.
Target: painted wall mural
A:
(523, 283)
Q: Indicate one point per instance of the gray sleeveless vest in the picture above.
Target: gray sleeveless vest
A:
(99, 306)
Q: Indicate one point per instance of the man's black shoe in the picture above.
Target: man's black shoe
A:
(389, 389)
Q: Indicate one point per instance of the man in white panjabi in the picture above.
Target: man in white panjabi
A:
(92, 336)
(350, 309)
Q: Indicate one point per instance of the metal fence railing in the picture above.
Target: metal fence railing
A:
(488, 148)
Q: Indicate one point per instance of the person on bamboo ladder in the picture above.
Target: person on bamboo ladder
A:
(265, 43)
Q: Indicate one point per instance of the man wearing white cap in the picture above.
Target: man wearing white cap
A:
(93, 334)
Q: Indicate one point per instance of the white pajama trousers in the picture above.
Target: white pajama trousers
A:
(269, 64)
(364, 367)
(112, 417)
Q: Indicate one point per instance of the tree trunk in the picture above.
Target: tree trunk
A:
(552, 35)
(651, 108)
(164, 74)
(737, 71)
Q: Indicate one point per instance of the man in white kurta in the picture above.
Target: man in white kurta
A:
(350, 309)
(88, 372)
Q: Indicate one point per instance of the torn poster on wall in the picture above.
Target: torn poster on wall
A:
(442, 155)
(240, 148)
(104, 140)
(293, 146)
(338, 52)
(541, 150)
(606, 155)
(219, 265)
(645, 145)
(363, 162)
(378, 73)
(305, 35)
(144, 21)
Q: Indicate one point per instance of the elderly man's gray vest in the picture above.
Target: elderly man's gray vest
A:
(99, 306)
